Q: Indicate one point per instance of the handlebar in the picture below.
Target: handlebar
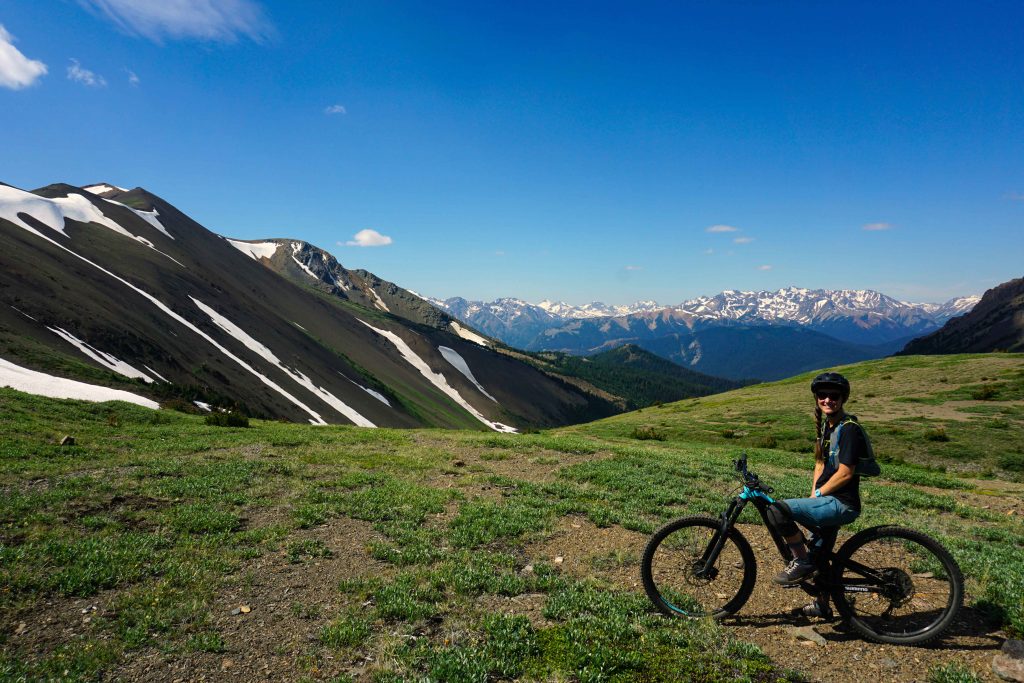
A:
(747, 478)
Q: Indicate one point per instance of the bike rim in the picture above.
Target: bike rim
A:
(898, 588)
(676, 570)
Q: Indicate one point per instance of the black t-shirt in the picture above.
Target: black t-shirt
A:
(851, 448)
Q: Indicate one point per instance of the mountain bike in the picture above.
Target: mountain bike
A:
(891, 584)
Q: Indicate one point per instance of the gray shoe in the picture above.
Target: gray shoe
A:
(816, 609)
(795, 572)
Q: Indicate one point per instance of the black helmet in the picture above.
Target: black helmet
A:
(831, 380)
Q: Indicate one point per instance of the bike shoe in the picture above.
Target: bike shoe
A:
(795, 572)
(816, 610)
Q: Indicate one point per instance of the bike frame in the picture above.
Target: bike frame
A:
(871, 583)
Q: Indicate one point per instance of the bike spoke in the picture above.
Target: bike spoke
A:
(911, 594)
(677, 571)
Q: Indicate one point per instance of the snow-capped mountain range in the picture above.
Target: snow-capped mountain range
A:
(827, 326)
(791, 304)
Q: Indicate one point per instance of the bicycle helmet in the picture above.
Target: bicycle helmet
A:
(831, 380)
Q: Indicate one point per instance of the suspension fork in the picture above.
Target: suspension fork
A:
(726, 522)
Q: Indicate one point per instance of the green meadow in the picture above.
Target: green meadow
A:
(389, 555)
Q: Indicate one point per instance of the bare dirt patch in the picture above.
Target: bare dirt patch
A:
(270, 614)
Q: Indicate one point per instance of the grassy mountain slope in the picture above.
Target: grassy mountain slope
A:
(964, 413)
(392, 555)
(637, 377)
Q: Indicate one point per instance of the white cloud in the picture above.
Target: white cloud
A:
(499, 252)
(721, 228)
(1015, 196)
(709, 252)
(79, 75)
(335, 109)
(133, 78)
(16, 70)
(368, 238)
(634, 268)
(743, 240)
(216, 20)
(874, 227)
(764, 267)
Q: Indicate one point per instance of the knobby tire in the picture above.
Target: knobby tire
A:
(669, 577)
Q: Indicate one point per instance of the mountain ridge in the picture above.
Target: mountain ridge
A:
(129, 279)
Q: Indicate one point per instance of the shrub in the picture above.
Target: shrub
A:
(227, 420)
(648, 433)
(767, 441)
(1013, 462)
(985, 393)
(181, 405)
(728, 434)
(937, 434)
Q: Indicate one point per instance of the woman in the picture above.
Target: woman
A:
(835, 486)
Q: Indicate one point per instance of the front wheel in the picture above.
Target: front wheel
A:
(678, 581)
(897, 585)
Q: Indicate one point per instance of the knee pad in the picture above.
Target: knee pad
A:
(781, 517)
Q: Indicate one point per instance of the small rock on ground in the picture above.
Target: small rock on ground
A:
(809, 634)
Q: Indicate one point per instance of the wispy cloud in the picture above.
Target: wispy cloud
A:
(84, 76)
(336, 109)
(213, 20)
(721, 228)
(1015, 196)
(499, 252)
(743, 240)
(133, 78)
(633, 268)
(875, 227)
(16, 70)
(709, 252)
(368, 238)
(764, 267)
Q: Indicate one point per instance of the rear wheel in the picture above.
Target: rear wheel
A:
(897, 585)
(678, 582)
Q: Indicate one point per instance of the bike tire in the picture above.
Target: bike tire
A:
(924, 587)
(667, 569)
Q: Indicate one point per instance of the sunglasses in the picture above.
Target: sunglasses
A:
(830, 395)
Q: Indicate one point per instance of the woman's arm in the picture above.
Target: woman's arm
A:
(838, 480)
(819, 467)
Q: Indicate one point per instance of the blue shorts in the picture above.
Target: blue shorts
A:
(826, 511)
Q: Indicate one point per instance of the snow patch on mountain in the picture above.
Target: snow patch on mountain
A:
(54, 212)
(157, 374)
(376, 394)
(262, 351)
(103, 188)
(42, 384)
(378, 301)
(468, 335)
(296, 248)
(436, 378)
(255, 250)
(460, 364)
(105, 359)
(150, 217)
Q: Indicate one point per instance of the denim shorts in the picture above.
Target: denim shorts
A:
(826, 511)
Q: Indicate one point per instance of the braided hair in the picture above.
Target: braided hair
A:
(819, 454)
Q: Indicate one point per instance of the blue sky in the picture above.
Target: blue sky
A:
(578, 151)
